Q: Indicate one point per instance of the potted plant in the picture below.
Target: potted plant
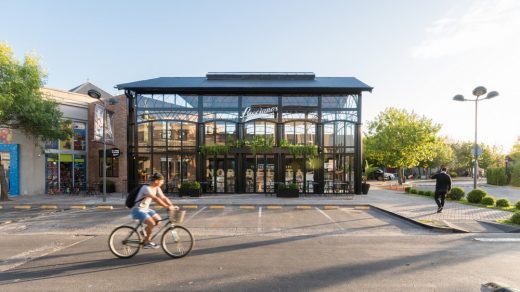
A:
(191, 189)
(287, 191)
(364, 185)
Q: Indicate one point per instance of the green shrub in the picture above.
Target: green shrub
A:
(453, 174)
(515, 174)
(517, 205)
(407, 189)
(496, 176)
(516, 218)
(190, 185)
(290, 186)
(429, 193)
(503, 203)
(476, 195)
(456, 193)
(420, 192)
(488, 201)
(413, 191)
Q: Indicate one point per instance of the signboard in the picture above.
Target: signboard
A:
(479, 151)
(98, 125)
(250, 113)
(115, 152)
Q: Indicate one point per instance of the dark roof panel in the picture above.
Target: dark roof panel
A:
(202, 84)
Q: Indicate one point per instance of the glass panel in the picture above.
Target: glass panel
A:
(230, 175)
(144, 167)
(328, 134)
(340, 134)
(66, 173)
(210, 133)
(250, 131)
(230, 133)
(349, 132)
(249, 175)
(67, 143)
(79, 136)
(310, 134)
(211, 116)
(167, 101)
(252, 101)
(51, 144)
(80, 176)
(294, 170)
(226, 101)
(143, 134)
(299, 100)
(220, 176)
(313, 164)
(269, 174)
(51, 172)
(175, 134)
(299, 130)
(339, 116)
(260, 174)
(328, 174)
(221, 133)
(173, 173)
(269, 130)
(164, 164)
(260, 128)
(145, 115)
(160, 134)
(188, 167)
(210, 174)
(189, 132)
(289, 133)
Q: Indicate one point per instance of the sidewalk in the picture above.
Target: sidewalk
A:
(420, 210)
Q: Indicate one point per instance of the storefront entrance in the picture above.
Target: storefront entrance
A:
(220, 174)
(259, 173)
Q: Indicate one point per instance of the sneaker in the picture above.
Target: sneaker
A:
(439, 210)
(150, 245)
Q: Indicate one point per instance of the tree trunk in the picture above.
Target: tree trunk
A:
(3, 184)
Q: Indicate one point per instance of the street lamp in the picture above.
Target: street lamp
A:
(111, 101)
(478, 92)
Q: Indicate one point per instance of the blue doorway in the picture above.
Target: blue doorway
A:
(10, 152)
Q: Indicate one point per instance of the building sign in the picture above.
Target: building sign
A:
(258, 113)
(98, 125)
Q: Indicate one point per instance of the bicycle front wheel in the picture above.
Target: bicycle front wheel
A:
(124, 242)
(177, 241)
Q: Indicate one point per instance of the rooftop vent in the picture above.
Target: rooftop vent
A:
(260, 76)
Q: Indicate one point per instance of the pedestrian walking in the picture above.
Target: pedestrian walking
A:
(442, 187)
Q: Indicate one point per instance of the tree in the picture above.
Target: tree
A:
(24, 107)
(463, 159)
(443, 154)
(401, 140)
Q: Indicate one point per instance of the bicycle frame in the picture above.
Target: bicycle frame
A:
(141, 225)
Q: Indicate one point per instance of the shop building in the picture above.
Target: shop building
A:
(247, 132)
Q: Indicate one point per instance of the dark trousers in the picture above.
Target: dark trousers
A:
(442, 196)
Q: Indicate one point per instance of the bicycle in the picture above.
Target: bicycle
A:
(176, 240)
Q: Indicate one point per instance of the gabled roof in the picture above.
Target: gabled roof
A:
(85, 87)
(249, 82)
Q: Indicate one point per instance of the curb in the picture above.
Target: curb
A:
(434, 228)
(504, 227)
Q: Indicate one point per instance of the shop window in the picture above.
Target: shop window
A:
(226, 101)
(79, 130)
(300, 133)
(220, 132)
(112, 165)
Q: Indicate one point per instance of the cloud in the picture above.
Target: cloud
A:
(485, 24)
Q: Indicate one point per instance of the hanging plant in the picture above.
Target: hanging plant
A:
(214, 149)
(300, 149)
(260, 144)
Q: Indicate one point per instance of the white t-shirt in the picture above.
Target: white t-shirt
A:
(147, 191)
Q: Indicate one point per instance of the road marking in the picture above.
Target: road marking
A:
(362, 208)
(48, 207)
(194, 214)
(247, 207)
(330, 207)
(259, 225)
(498, 239)
(274, 207)
(217, 207)
(303, 207)
(328, 217)
(82, 207)
(105, 207)
(190, 206)
(22, 207)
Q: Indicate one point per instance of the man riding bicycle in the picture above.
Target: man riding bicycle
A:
(142, 211)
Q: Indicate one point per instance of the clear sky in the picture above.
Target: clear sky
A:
(416, 54)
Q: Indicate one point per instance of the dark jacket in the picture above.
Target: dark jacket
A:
(443, 182)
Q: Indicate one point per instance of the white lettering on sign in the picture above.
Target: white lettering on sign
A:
(249, 114)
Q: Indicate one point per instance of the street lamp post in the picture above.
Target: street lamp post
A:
(478, 92)
(111, 101)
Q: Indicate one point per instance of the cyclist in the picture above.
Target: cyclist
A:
(142, 211)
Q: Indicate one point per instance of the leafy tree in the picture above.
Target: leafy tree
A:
(23, 106)
(491, 156)
(463, 160)
(399, 139)
(443, 154)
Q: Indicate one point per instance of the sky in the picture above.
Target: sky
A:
(416, 54)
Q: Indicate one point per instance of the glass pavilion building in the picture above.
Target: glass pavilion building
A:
(272, 128)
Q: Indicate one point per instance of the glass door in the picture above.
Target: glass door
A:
(220, 174)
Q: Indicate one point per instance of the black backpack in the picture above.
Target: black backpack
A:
(130, 199)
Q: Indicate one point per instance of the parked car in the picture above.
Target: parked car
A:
(379, 174)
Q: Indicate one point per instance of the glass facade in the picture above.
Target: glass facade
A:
(169, 130)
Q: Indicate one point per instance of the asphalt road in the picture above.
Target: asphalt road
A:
(256, 249)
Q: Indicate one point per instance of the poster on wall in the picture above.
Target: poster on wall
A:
(5, 136)
(98, 125)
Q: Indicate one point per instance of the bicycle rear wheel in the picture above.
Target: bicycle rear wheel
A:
(177, 241)
(124, 242)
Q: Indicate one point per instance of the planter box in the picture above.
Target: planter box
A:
(287, 193)
(189, 192)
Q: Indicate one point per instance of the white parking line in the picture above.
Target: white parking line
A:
(194, 214)
(328, 217)
(498, 239)
(259, 226)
